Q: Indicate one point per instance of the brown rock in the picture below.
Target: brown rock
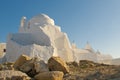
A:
(19, 78)
(57, 64)
(26, 67)
(53, 75)
(33, 67)
(7, 66)
(21, 60)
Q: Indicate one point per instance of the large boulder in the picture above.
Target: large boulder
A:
(53, 75)
(57, 64)
(13, 75)
(26, 67)
(34, 66)
(21, 60)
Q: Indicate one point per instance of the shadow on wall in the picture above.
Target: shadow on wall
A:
(28, 39)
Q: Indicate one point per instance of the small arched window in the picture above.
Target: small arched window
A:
(4, 50)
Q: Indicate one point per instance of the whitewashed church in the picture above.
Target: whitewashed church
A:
(40, 37)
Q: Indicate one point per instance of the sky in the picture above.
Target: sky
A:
(93, 21)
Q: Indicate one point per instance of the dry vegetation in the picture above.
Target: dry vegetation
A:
(88, 70)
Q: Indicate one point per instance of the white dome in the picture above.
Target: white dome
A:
(41, 19)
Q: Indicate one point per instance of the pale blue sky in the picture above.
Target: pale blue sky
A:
(96, 21)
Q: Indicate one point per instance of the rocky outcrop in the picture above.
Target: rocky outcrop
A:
(53, 75)
(30, 66)
(34, 67)
(57, 64)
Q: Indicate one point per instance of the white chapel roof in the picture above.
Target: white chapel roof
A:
(41, 19)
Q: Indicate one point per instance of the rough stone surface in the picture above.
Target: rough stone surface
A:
(88, 70)
(7, 66)
(57, 64)
(53, 75)
(20, 61)
(40, 66)
(13, 75)
(33, 67)
(37, 70)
